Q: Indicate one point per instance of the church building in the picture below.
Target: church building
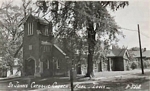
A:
(41, 57)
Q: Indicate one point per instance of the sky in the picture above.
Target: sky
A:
(137, 12)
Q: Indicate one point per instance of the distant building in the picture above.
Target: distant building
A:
(145, 54)
(136, 56)
(118, 60)
(40, 56)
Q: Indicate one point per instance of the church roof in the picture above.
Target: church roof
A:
(41, 20)
(54, 46)
(59, 49)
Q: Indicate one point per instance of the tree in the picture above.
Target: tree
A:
(90, 16)
(12, 33)
(3, 64)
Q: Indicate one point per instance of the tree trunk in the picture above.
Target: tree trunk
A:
(11, 70)
(91, 45)
(79, 58)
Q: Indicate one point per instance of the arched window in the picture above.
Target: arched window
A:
(57, 64)
(46, 31)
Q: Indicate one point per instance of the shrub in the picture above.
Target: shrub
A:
(134, 65)
(128, 67)
(146, 63)
(139, 64)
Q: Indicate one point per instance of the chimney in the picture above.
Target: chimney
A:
(144, 50)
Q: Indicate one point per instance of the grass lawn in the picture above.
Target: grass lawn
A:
(110, 81)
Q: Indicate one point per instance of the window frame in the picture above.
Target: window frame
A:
(30, 28)
(30, 47)
(46, 31)
(47, 61)
(57, 64)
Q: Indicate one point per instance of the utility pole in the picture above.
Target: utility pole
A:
(71, 78)
(72, 68)
(142, 68)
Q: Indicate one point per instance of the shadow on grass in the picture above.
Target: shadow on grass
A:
(145, 74)
(116, 85)
(110, 85)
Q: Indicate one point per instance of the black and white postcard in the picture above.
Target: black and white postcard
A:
(64, 45)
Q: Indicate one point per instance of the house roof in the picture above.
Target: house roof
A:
(41, 20)
(146, 53)
(137, 53)
(116, 53)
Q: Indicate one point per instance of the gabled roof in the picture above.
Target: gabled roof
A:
(58, 53)
(116, 53)
(146, 53)
(137, 53)
(55, 46)
(41, 20)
